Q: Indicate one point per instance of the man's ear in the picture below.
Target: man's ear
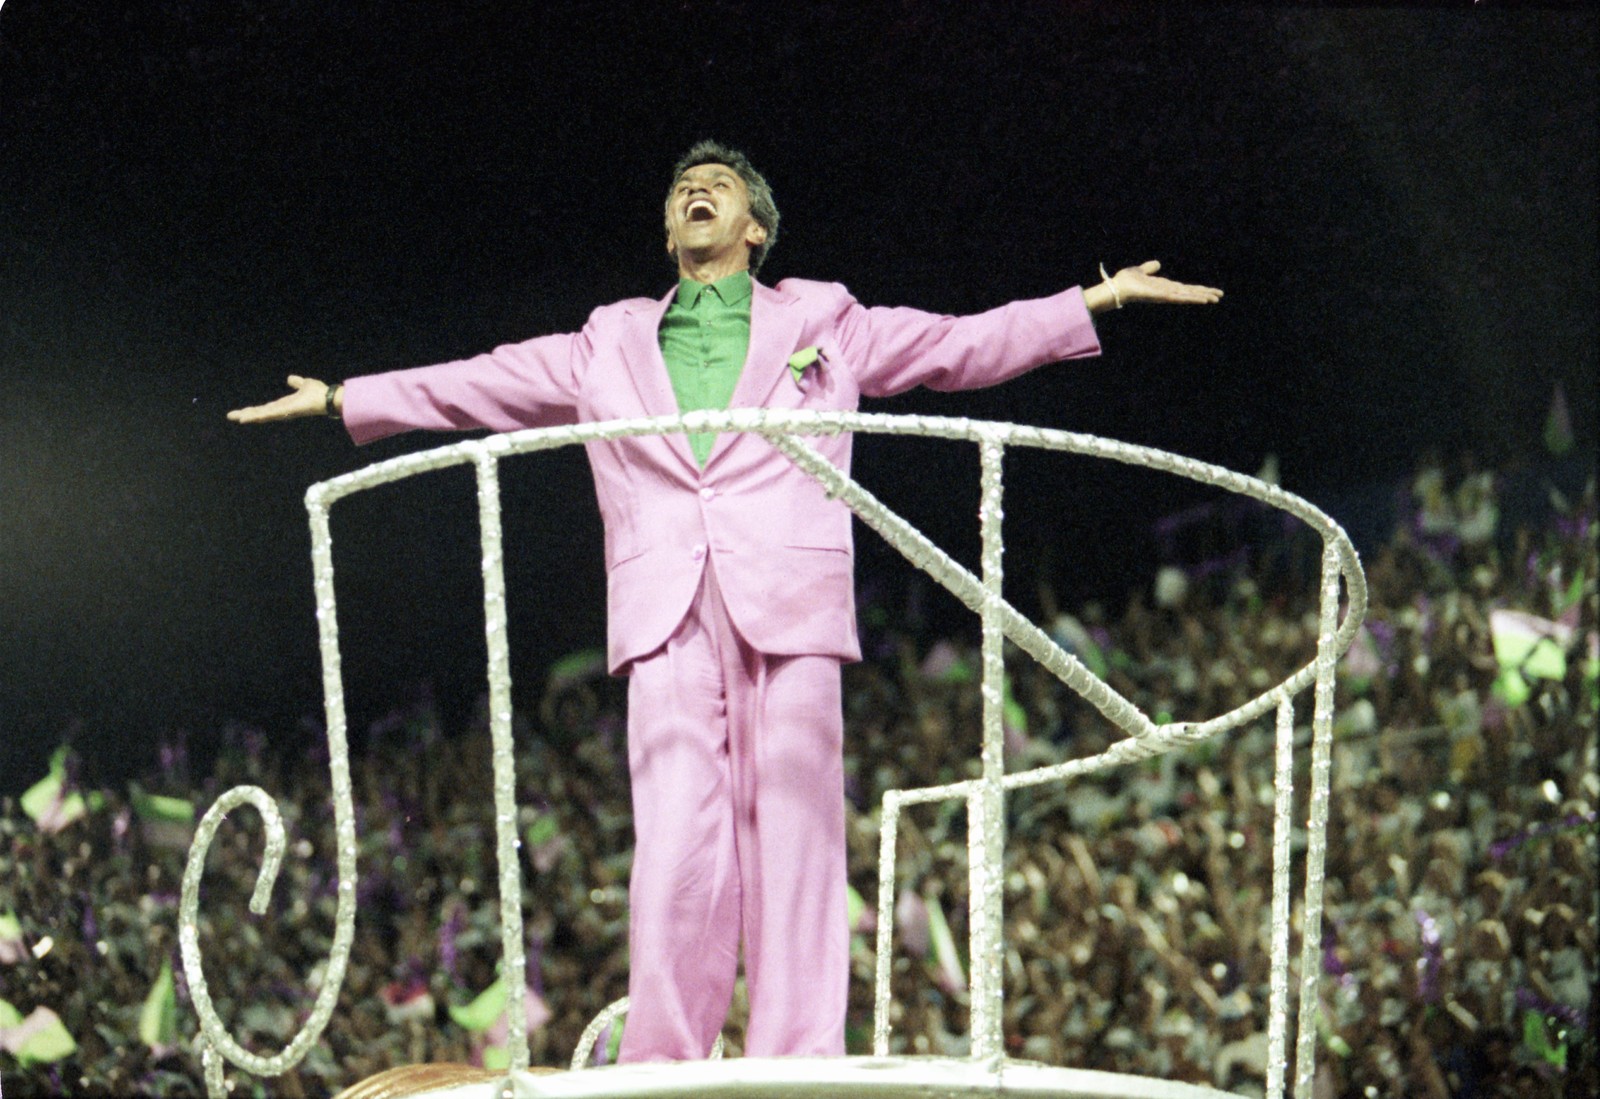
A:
(756, 234)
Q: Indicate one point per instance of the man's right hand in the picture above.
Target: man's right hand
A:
(310, 398)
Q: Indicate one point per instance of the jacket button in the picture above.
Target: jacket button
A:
(699, 552)
(707, 493)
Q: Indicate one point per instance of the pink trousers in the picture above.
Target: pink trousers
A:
(738, 816)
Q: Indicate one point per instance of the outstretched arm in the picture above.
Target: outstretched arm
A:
(517, 385)
(1141, 283)
(309, 398)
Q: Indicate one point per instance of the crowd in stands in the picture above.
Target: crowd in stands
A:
(1458, 943)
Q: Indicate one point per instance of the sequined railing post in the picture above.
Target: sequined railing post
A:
(591, 1033)
(214, 1038)
(1317, 829)
(505, 769)
(888, 830)
(1278, 996)
(986, 820)
(584, 1053)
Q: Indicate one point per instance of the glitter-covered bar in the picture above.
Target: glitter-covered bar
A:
(1328, 655)
(986, 837)
(984, 796)
(215, 1043)
(1278, 1007)
(507, 845)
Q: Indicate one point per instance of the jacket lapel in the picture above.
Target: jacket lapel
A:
(641, 353)
(773, 332)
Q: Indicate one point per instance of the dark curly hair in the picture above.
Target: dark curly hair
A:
(762, 208)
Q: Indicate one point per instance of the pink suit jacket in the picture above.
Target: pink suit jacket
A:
(783, 551)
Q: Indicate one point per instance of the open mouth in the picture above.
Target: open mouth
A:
(700, 209)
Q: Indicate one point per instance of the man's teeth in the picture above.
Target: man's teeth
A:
(700, 208)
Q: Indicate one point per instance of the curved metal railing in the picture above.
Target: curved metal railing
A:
(984, 795)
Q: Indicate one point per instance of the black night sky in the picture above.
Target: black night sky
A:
(198, 198)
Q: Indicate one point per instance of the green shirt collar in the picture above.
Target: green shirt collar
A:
(730, 290)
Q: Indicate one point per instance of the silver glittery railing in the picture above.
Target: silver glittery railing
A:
(985, 796)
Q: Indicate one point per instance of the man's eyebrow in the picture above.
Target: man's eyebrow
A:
(723, 174)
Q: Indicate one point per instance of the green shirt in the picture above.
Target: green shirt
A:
(705, 337)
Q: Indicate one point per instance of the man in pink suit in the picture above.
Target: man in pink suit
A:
(730, 581)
